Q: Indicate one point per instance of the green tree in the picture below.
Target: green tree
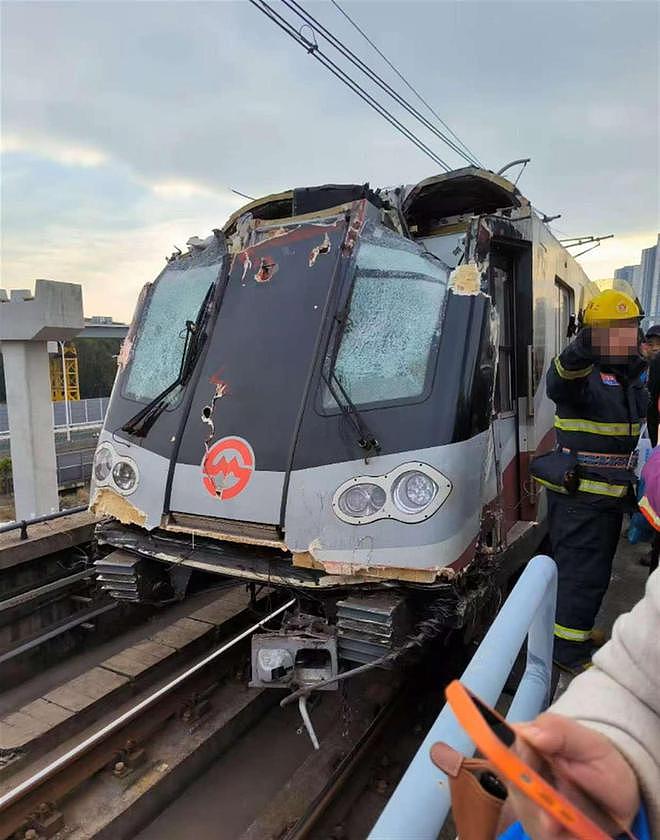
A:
(97, 365)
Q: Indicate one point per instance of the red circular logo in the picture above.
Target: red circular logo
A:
(227, 467)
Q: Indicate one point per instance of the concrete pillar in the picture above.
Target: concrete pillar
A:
(32, 442)
(27, 323)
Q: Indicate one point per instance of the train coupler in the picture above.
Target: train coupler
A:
(302, 654)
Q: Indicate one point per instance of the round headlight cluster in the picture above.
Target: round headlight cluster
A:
(124, 476)
(362, 500)
(413, 491)
(103, 460)
(119, 472)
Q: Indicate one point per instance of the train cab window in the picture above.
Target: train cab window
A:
(502, 292)
(564, 306)
(391, 335)
(175, 298)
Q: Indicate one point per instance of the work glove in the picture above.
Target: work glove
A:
(582, 345)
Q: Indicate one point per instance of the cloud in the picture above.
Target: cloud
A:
(614, 253)
(56, 150)
(128, 123)
(179, 188)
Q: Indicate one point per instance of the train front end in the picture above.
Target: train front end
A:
(303, 400)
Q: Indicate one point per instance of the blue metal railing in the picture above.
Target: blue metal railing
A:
(419, 806)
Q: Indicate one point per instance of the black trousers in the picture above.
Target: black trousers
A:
(584, 534)
(655, 552)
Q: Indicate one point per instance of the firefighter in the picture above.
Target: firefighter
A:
(597, 383)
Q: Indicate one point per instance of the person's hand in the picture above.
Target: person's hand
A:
(582, 762)
(583, 341)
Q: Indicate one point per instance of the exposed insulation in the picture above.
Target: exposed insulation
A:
(304, 560)
(108, 503)
(465, 280)
(221, 535)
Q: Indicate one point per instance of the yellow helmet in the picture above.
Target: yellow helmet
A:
(610, 305)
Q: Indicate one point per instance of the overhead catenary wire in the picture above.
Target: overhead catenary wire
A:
(406, 82)
(371, 74)
(316, 53)
(242, 194)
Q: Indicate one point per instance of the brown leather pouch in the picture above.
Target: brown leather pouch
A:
(476, 811)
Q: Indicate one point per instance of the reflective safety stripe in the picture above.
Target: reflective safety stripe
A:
(571, 374)
(602, 488)
(572, 635)
(556, 487)
(648, 512)
(592, 427)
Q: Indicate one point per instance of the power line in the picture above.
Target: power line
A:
(315, 25)
(243, 195)
(406, 82)
(314, 50)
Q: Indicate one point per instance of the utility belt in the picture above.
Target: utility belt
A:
(560, 471)
(604, 460)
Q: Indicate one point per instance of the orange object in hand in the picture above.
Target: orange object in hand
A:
(494, 737)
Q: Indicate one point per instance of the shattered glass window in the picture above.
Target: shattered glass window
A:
(176, 298)
(393, 325)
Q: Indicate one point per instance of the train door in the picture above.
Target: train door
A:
(506, 422)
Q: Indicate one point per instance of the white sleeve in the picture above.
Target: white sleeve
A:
(620, 694)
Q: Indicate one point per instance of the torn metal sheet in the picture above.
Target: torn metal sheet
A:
(323, 248)
(267, 270)
(221, 390)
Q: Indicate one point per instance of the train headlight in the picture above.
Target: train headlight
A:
(362, 500)
(103, 460)
(124, 476)
(413, 491)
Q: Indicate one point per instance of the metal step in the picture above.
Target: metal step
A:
(119, 574)
(370, 626)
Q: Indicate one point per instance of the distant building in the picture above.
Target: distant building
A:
(645, 280)
(103, 326)
(630, 273)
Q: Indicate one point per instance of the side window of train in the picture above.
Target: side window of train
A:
(564, 307)
(390, 339)
(502, 293)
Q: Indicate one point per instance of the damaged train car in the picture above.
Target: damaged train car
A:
(339, 393)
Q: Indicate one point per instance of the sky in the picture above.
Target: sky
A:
(125, 125)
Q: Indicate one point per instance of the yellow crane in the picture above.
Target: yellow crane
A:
(64, 372)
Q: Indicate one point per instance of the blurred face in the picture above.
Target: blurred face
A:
(617, 342)
(651, 346)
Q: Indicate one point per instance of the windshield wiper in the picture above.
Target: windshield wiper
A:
(140, 424)
(365, 437)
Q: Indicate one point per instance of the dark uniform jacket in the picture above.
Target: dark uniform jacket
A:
(654, 391)
(599, 409)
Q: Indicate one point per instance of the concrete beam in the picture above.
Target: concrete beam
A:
(53, 313)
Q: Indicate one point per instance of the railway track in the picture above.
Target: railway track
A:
(104, 753)
(32, 618)
(149, 742)
(22, 803)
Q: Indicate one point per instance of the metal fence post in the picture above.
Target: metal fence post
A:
(419, 806)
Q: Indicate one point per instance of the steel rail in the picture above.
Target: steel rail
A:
(14, 796)
(47, 588)
(78, 618)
